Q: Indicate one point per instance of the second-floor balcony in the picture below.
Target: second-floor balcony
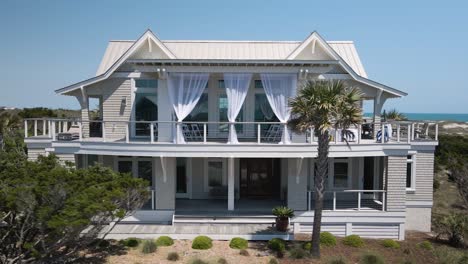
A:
(165, 132)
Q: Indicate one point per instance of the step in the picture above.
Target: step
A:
(225, 219)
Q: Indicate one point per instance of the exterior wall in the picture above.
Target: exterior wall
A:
(396, 183)
(198, 179)
(66, 157)
(165, 189)
(113, 91)
(33, 153)
(418, 219)
(297, 185)
(424, 177)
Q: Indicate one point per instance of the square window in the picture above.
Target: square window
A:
(258, 84)
(221, 84)
(340, 175)
(215, 173)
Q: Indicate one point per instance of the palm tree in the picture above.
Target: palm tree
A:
(393, 114)
(324, 105)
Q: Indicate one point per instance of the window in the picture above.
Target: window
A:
(145, 171)
(146, 105)
(341, 175)
(221, 84)
(410, 172)
(92, 160)
(125, 166)
(258, 84)
(200, 112)
(263, 111)
(223, 110)
(215, 174)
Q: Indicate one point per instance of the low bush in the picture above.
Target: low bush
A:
(371, 258)
(198, 261)
(244, 252)
(390, 243)
(221, 261)
(149, 246)
(297, 253)
(453, 226)
(446, 255)
(327, 239)
(202, 242)
(337, 260)
(307, 246)
(131, 242)
(238, 243)
(164, 241)
(273, 261)
(173, 256)
(353, 241)
(277, 244)
(426, 245)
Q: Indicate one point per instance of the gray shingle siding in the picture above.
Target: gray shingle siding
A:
(396, 183)
(424, 177)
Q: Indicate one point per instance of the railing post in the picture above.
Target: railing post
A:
(409, 133)
(35, 127)
(49, 124)
(177, 132)
(311, 135)
(259, 133)
(80, 132)
(359, 133)
(25, 128)
(383, 201)
(412, 131)
(334, 201)
(359, 201)
(336, 135)
(152, 200)
(204, 132)
(127, 133)
(43, 127)
(437, 131)
(398, 133)
(152, 132)
(53, 131)
(103, 131)
(308, 200)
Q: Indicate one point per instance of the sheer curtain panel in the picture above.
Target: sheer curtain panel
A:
(279, 88)
(237, 86)
(185, 90)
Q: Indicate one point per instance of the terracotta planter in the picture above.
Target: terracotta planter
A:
(282, 224)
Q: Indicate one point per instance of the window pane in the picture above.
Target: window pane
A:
(215, 173)
(125, 167)
(341, 175)
(200, 112)
(409, 167)
(146, 109)
(221, 84)
(181, 184)
(145, 171)
(92, 160)
(143, 83)
(258, 84)
(263, 111)
(223, 110)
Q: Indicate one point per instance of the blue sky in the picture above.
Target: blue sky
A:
(415, 46)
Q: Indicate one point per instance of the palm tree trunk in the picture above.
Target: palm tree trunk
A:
(320, 175)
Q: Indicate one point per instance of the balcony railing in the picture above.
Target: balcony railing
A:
(345, 200)
(217, 132)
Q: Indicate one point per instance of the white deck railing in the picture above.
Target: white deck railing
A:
(206, 132)
(376, 201)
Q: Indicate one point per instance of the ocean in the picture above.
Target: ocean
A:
(434, 116)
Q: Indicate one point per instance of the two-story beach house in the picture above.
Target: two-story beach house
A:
(205, 122)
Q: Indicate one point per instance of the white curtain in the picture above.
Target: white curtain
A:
(237, 86)
(279, 88)
(185, 89)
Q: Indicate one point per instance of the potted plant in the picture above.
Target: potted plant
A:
(282, 214)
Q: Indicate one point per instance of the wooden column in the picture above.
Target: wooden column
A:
(230, 184)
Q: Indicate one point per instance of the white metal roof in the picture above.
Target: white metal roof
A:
(233, 50)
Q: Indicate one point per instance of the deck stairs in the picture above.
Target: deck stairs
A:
(226, 218)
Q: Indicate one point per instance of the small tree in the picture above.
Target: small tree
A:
(48, 212)
(393, 114)
(323, 105)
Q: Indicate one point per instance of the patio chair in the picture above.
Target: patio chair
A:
(421, 132)
(73, 133)
(197, 134)
(274, 133)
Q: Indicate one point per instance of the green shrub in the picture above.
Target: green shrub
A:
(198, 261)
(277, 244)
(221, 261)
(149, 246)
(448, 255)
(273, 261)
(454, 226)
(202, 242)
(327, 239)
(353, 241)
(426, 245)
(436, 184)
(297, 253)
(244, 252)
(390, 243)
(131, 242)
(164, 241)
(283, 211)
(337, 260)
(173, 256)
(371, 258)
(238, 243)
(307, 246)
